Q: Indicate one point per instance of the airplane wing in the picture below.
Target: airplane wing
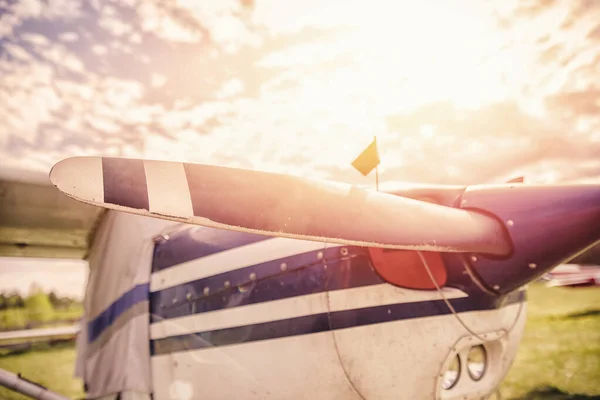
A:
(36, 220)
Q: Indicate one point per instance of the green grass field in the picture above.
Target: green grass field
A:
(51, 367)
(559, 358)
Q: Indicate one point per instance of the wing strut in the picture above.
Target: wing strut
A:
(24, 386)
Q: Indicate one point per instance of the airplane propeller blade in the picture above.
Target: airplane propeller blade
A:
(276, 205)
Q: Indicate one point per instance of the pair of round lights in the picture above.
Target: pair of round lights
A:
(476, 365)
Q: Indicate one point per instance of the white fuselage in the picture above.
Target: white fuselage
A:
(202, 313)
(402, 358)
(394, 360)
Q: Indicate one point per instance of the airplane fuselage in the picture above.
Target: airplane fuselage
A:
(236, 315)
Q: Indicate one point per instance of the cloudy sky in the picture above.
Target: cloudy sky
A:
(461, 91)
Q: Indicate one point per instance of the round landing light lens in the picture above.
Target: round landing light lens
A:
(477, 362)
(452, 374)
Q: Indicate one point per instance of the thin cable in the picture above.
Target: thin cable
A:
(335, 343)
(506, 333)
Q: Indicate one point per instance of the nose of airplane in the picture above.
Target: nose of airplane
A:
(547, 225)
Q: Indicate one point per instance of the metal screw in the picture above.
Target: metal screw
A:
(473, 258)
(174, 300)
(510, 222)
(188, 296)
(344, 251)
(252, 276)
(320, 255)
(496, 287)
(227, 284)
(283, 266)
(532, 265)
(206, 291)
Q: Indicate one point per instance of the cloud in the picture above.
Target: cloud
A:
(295, 88)
(14, 13)
(111, 22)
(165, 26)
(68, 37)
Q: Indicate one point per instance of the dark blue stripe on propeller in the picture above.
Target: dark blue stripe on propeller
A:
(125, 182)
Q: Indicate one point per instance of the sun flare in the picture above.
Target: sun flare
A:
(456, 92)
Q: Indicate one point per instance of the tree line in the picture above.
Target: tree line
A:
(15, 300)
(36, 309)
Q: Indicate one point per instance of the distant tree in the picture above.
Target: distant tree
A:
(14, 300)
(3, 300)
(39, 308)
(54, 300)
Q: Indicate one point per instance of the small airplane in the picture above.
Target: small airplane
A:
(573, 275)
(219, 283)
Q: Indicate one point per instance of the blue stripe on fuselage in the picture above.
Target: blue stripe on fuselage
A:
(197, 242)
(305, 274)
(327, 321)
(132, 297)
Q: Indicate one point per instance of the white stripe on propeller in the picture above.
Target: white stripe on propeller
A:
(168, 192)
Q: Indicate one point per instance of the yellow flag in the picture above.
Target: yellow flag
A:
(368, 159)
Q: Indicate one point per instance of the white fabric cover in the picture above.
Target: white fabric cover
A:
(118, 360)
